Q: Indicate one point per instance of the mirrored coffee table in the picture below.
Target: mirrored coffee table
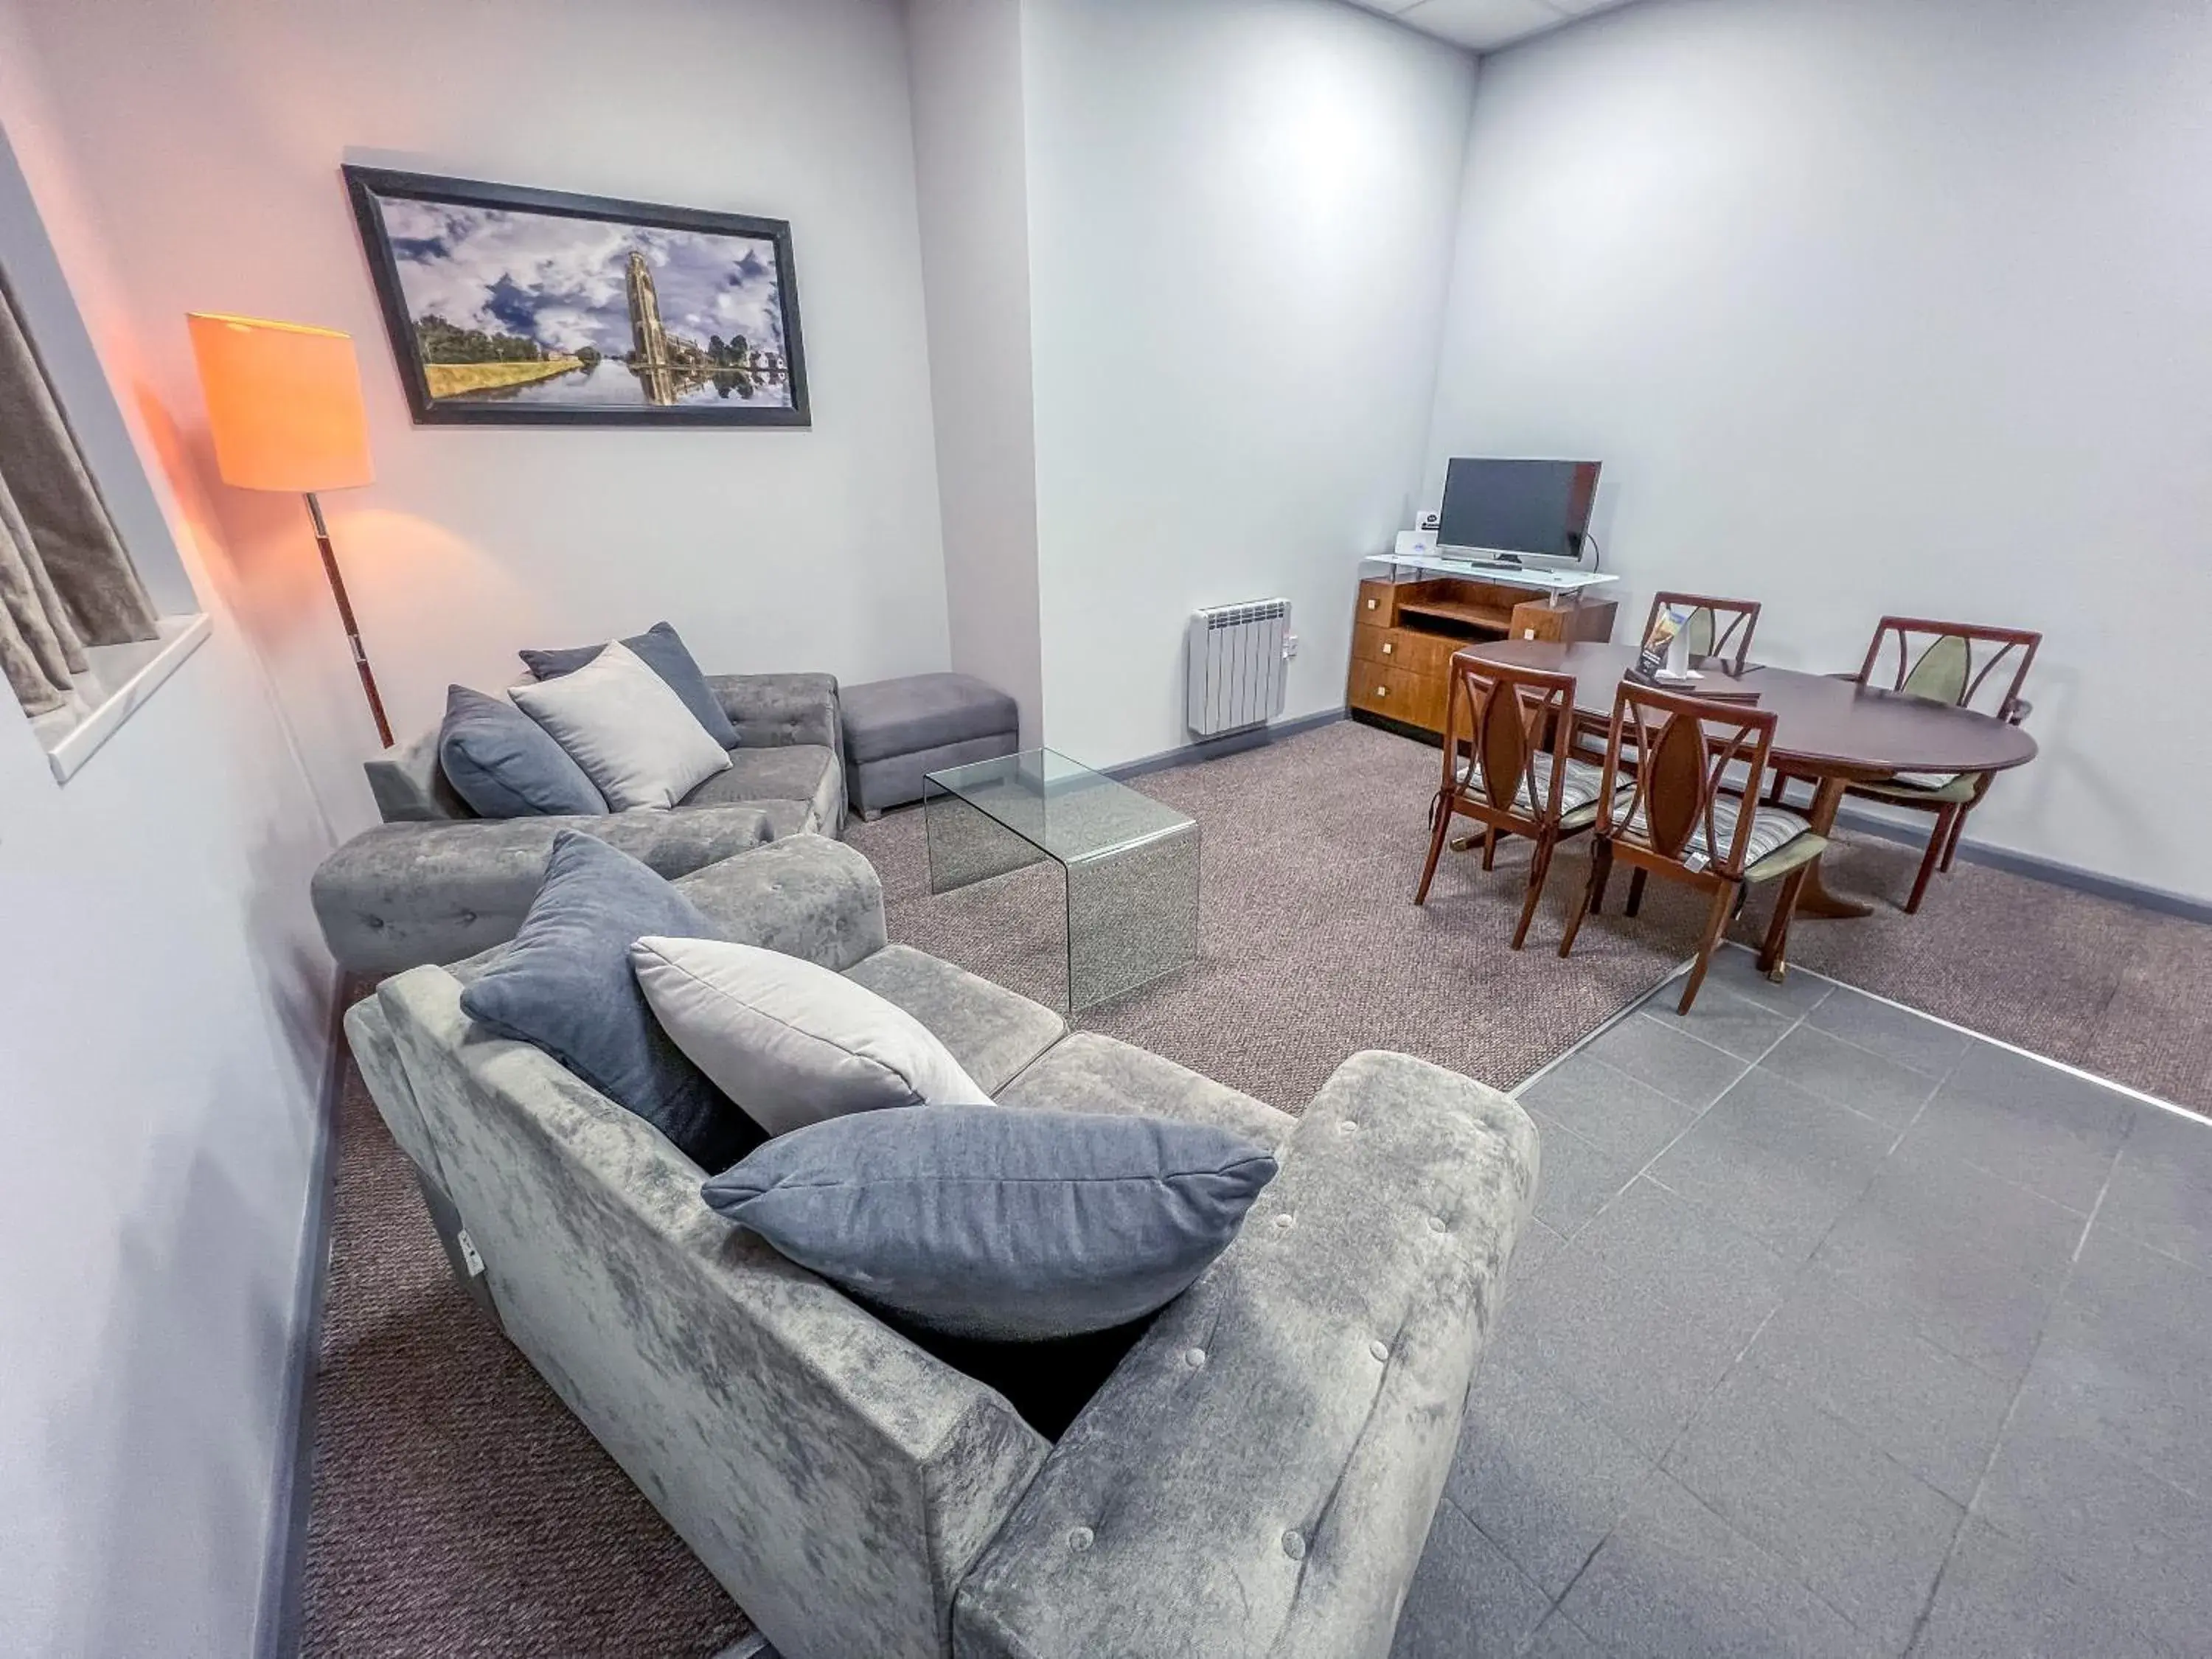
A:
(1131, 863)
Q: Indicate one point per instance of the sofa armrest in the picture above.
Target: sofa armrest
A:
(1258, 1476)
(772, 710)
(837, 1480)
(403, 895)
(806, 895)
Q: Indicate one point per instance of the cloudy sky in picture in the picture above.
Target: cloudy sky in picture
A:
(561, 281)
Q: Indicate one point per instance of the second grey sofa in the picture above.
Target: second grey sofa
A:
(435, 883)
(1255, 1478)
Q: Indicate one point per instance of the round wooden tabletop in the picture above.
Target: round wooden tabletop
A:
(1822, 726)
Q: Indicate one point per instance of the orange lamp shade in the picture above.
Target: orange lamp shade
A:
(283, 403)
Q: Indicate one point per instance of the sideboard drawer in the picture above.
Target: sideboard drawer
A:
(1376, 606)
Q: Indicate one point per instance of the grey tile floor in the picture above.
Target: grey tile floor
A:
(1838, 1332)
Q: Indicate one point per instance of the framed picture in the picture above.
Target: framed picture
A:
(509, 306)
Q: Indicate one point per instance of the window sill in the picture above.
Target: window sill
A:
(124, 679)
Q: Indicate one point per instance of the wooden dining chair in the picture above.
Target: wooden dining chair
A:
(1717, 629)
(1675, 820)
(1506, 767)
(1968, 665)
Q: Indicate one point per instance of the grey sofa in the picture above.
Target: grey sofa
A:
(1256, 1476)
(435, 883)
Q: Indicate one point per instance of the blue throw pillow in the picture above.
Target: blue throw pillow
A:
(999, 1222)
(661, 649)
(505, 764)
(565, 984)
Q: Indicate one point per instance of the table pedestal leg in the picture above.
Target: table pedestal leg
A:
(1816, 900)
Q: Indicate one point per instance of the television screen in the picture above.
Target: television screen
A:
(1535, 509)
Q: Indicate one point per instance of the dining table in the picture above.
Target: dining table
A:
(1828, 729)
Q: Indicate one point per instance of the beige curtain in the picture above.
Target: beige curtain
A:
(65, 582)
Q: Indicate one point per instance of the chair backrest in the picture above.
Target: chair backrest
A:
(1505, 716)
(1715, 628)
(1686, 747)
(1966, 665)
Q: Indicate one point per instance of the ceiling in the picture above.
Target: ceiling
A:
(1485, 25)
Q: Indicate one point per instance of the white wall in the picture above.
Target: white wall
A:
(965, 68)
(211, 133)
(164, 1032)
(1894, 306)
(1241, 215)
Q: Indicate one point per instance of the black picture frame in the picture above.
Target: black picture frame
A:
(368, 187)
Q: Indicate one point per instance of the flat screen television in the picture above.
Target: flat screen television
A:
(1500, 512)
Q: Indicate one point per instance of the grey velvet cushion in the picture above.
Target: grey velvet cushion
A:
(565, 985)
(792, 1042)
(662, 650)
(1012, 1226)
(505, 765)
(631, 734)
(921, 711)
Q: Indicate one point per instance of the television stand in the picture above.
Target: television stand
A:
(1411, 615)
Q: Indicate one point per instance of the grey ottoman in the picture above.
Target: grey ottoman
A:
(897, 730)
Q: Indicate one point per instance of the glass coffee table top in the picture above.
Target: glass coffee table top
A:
(1062, 808)
(1131, 863)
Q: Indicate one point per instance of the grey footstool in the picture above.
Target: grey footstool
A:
(897, 730)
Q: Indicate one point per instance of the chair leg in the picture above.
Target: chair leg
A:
(1635, 893)
(1938, 839)
(1716, 924)
(1771, 953)
(1600, 860)
(1951, 847)
(1489, 850)
(1600, 873)
(1443, 815)
(1540, 867)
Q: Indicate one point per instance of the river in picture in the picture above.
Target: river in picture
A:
(610, 383)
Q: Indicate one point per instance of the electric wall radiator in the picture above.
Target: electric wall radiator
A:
(1238, 676)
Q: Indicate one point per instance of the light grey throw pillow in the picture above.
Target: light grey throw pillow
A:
(791, 1042)
(632, 735)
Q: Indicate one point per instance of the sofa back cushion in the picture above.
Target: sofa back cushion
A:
(565, 985)
(632, 735)
(988, 1222)
(505, 764)
(791, 1042)
(661, 649)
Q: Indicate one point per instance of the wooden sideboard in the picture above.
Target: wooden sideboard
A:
(1403, 634)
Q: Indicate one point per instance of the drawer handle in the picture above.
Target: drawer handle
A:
(1387, 647)
(1381, 690)
(1370, 605)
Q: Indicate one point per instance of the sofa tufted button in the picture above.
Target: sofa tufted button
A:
(1436, 1225)
(1194, 1358)
(1380, 1349)
(468, 917)
(375, 923)
(1284, 1223)
(1294, 1545)
(1080, 1540)
(1347, 1128)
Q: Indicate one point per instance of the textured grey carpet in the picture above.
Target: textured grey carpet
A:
(458, 1509)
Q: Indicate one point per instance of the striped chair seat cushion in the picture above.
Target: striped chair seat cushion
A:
(1944, 787)
(1772, 829)
(1578, 791)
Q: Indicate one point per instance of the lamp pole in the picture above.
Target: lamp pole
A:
(345, 616)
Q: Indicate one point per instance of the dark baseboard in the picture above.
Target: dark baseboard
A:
(1235, 743)
(278, 1629)
(2141, 896)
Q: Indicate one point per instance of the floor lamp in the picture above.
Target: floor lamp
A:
(283, 404)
